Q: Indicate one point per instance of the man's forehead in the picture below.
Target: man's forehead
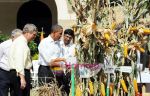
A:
(67, 35)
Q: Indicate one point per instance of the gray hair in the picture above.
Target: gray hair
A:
(29, 28)
(56, 28)
(16, 32)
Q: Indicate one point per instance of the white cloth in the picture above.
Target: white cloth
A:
(48, 50)
(19, 55)
(69, 52)
(4, 52)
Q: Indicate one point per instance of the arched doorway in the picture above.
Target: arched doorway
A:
(35, 12)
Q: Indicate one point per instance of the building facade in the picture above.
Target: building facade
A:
(42, 13)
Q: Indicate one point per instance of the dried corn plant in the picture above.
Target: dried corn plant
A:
(106, 28)
(47, 89)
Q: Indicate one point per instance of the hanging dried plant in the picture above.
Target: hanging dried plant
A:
(106, 28)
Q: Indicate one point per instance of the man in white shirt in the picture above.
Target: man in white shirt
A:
(50, 53)
(20, 61)
(4, 65)
(67, 44)
(69, 54)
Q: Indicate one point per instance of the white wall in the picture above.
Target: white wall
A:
(65, 18)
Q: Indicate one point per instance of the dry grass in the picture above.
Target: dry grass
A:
(47, 89)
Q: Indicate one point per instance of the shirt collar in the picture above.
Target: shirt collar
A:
(62, 42)
(23, 38)
(69, 45)
(52, 40)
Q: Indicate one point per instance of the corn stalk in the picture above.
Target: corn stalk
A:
(108, 28)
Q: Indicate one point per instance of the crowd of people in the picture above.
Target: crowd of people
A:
(16, 64)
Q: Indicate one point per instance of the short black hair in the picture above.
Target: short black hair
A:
(69, 32)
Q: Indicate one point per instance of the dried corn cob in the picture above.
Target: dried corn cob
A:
(133, 29)
(91, 87)
(113, 26)
(141, 49)
(78, 90)
(124, 85)
(102, 89)
(125, 47)
(135, 86)
(111, 90)
(106, 36)
(93, 26)
(146, 31)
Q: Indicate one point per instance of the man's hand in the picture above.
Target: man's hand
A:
(22, 81)
(56, 62)
(59, 60)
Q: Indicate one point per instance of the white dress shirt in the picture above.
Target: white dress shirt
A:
(19, 55)
(4, 52)
(48, 50)
(69, 52)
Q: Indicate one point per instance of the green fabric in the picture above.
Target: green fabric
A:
(72, 81)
